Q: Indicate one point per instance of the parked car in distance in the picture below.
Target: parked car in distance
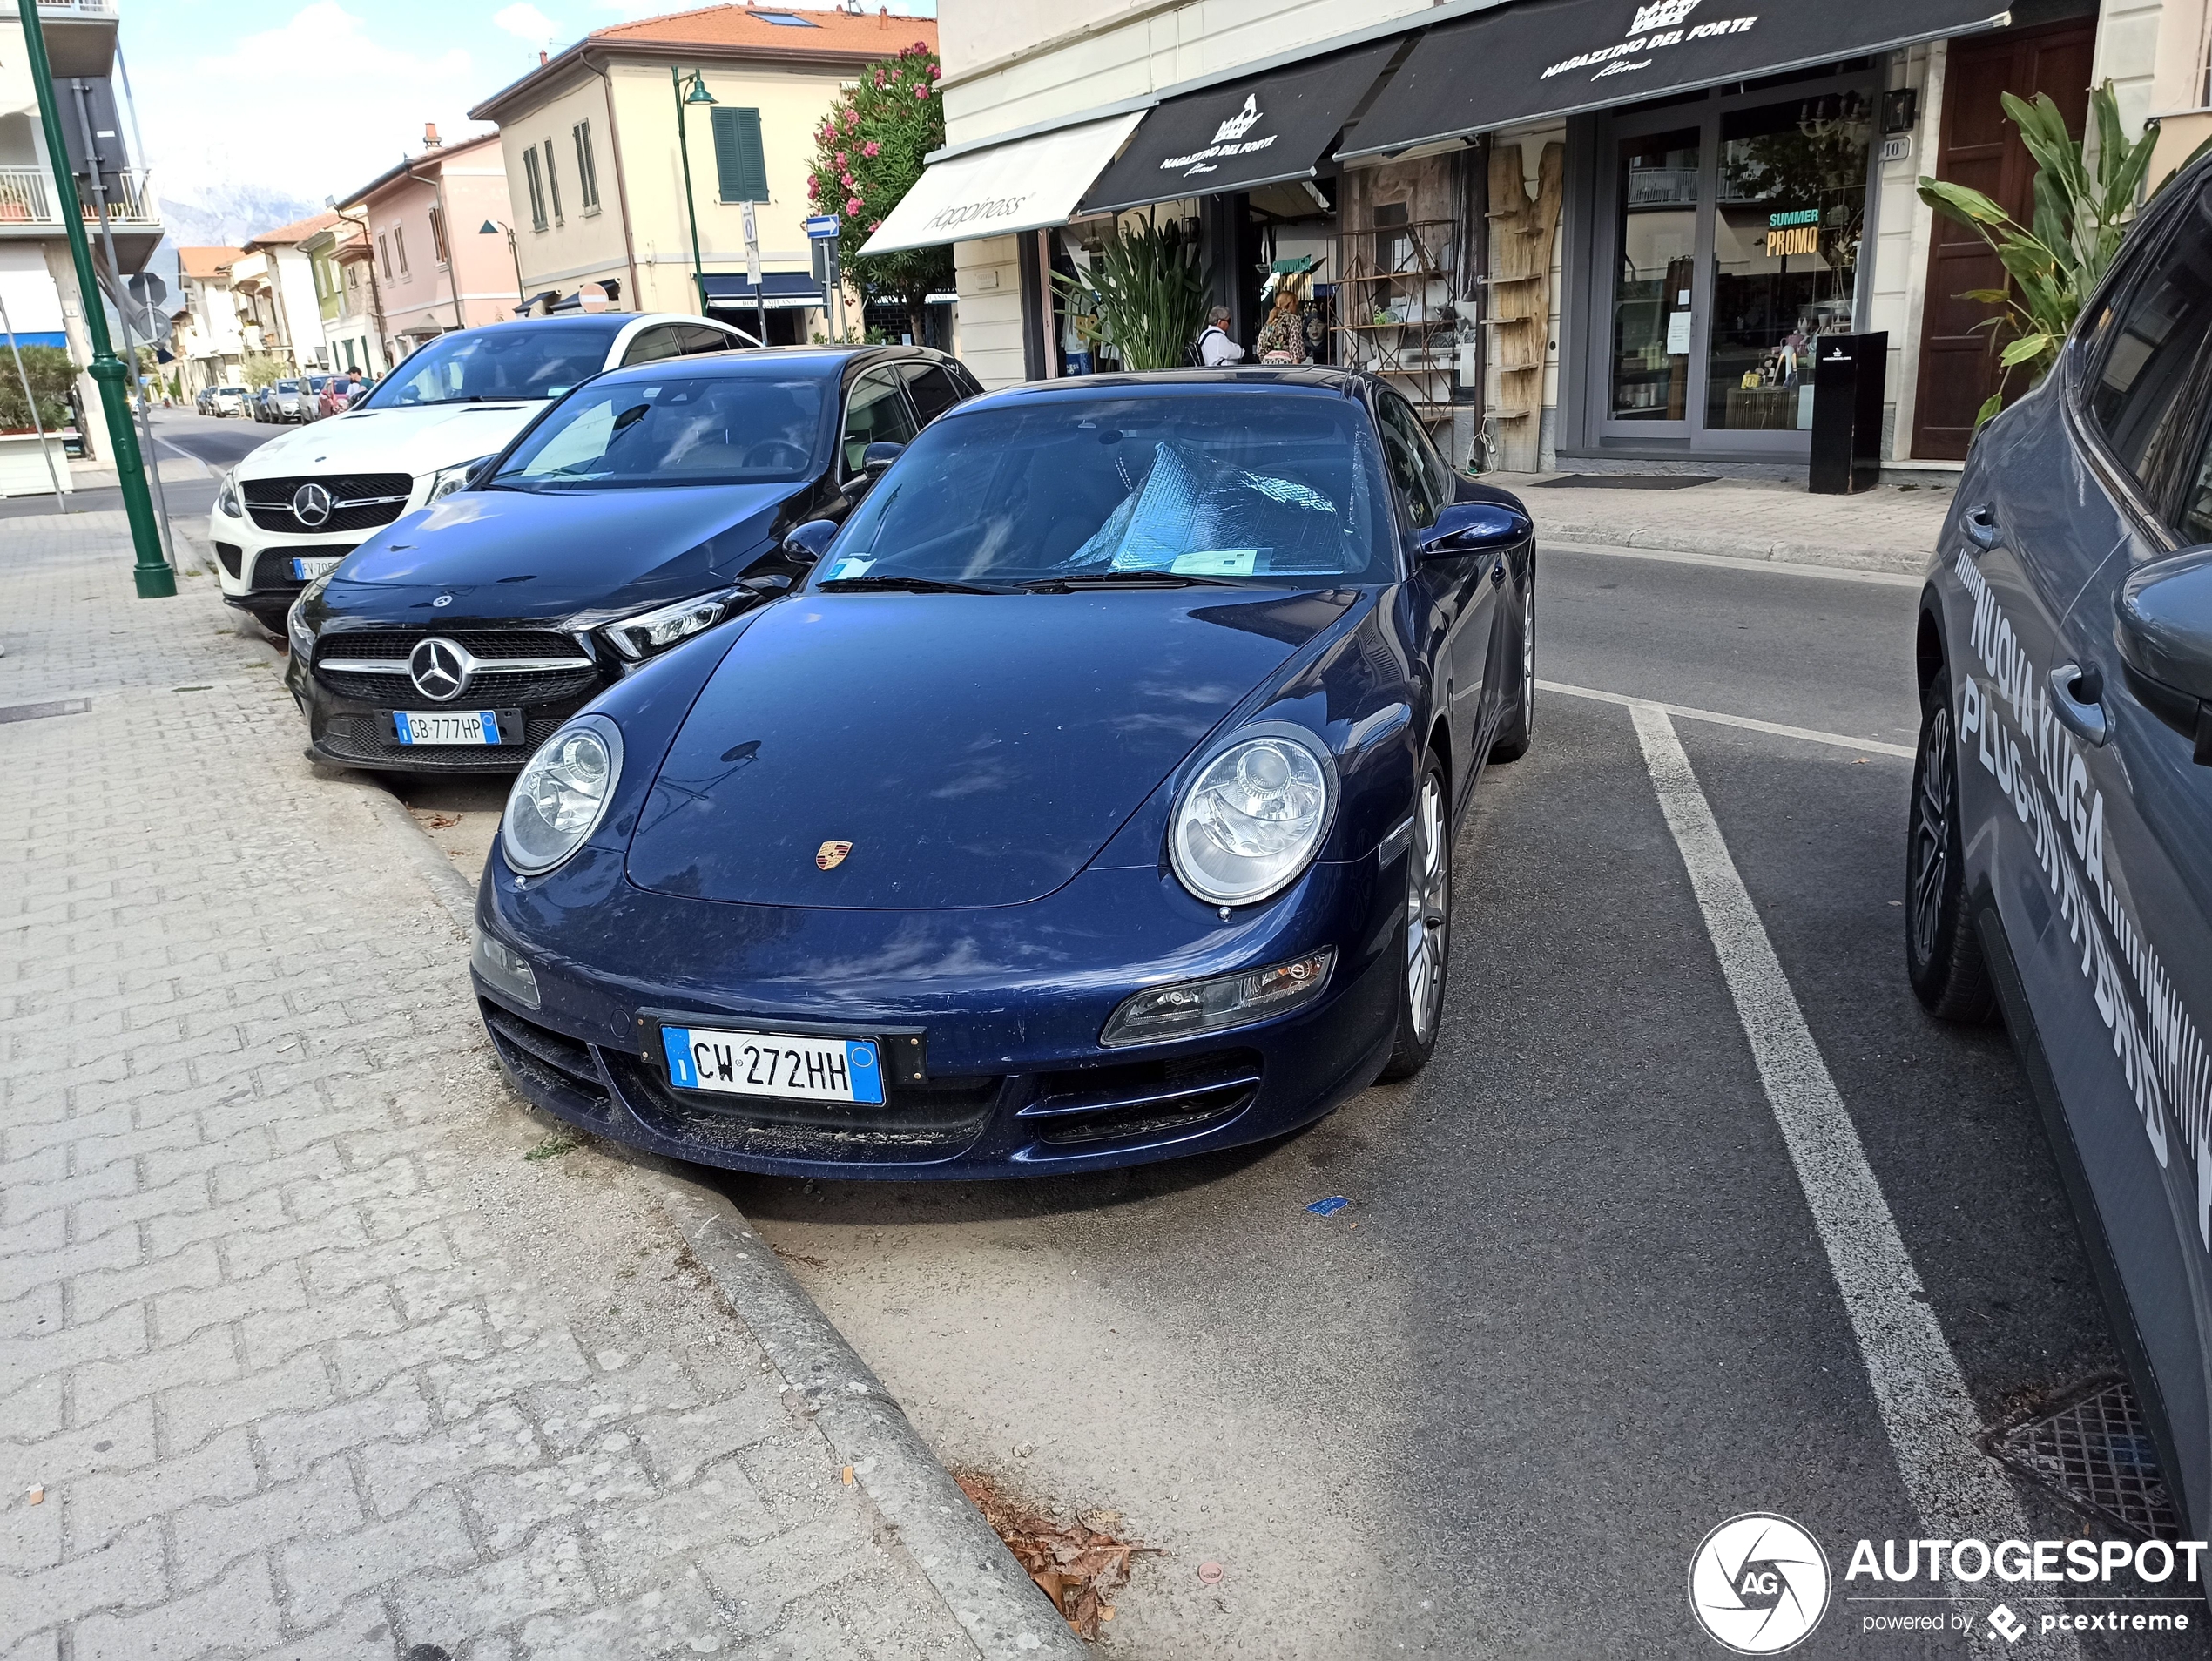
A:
(626, 521)
(291, 508)
(2060, 830)
(1091, 802)
(280, 401)
(227, 401)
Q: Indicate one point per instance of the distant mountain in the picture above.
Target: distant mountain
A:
(225, 216)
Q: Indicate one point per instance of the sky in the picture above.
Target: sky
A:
(312, 98)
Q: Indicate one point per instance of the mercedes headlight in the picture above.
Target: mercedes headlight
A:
(227, 502)
(1252, 817)
(561, 795)
(295, 627)
(646, 633)
(446, 479)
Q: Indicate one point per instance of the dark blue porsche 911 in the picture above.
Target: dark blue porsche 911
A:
(1091, 801)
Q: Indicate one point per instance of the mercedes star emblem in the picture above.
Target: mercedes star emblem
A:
(439, 669)
(311, 503)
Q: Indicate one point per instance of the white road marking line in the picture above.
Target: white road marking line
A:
(1959, 1492)
(1810, 735)
(1742, 562)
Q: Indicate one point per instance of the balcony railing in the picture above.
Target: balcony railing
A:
(23, 198)
(26, 198)
(77, 8)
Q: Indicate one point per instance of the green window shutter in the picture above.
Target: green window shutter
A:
(740, 164)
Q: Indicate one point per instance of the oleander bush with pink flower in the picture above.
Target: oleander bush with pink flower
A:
(868, 152)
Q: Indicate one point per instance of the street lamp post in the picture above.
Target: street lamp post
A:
(152, 573)
(493, 227)
(696, 93)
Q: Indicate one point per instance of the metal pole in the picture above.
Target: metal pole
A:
(683, 143)
(31, 398)
(152, 461)
(152, 574)
(516, 254)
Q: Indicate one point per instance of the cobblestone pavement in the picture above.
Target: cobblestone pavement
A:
(313, 1342)
(1890, 528)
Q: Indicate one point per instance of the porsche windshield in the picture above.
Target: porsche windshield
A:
(762, 427)
(507, 363)
(1225, 486)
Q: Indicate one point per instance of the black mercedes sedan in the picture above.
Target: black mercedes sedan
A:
(645, 506)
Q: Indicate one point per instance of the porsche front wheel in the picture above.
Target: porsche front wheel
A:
(1427, 930)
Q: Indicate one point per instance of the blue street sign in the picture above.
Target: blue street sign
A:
(822, 225)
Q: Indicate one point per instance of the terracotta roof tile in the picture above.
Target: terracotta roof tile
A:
(205, 263)
(874, 32)
(298, 231)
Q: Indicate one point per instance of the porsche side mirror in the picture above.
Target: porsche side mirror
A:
(878, 458)
(2165, 639)
(804, 542)
(1466, 527)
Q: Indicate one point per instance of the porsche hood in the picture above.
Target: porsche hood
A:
(974, 750)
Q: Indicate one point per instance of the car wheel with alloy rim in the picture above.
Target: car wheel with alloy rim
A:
(1520, 729)
(1427, 934)
(1942, 954)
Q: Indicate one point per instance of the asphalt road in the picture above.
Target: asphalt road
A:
(1577, 1313)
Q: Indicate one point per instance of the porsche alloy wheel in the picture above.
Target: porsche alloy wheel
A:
(1428, 933)
(1942, 953)
(1520, 729)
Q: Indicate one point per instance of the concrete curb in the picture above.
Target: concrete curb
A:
(1909, 561)
(967, 1564)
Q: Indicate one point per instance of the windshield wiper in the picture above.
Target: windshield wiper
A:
(1077, 581)
(901, 585)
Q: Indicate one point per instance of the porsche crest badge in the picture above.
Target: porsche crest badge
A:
(830, 855)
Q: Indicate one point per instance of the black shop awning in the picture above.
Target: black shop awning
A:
(1259, 130)
(778, 290)
(1547, 58)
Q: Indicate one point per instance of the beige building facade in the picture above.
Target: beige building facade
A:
(594, 145)
(1631, 283)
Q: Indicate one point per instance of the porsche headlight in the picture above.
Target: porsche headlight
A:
(446, 479)
(1253, 816)
(227, 501)
(561, 795)
(656, 630)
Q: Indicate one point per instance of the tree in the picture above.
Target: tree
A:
(51, 373)
(868, 152)
(260, 369)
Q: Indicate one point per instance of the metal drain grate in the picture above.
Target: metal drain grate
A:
(2095, 1449)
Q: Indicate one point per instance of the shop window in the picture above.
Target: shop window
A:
(1652, 282)
(1789, 220)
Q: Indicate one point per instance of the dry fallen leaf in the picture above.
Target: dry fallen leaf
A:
(848, 1476)
(1077, 1565)
(37, 1496)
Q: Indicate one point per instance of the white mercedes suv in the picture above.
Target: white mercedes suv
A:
(300, 503)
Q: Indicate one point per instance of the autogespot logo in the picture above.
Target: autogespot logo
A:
(1758, 1584)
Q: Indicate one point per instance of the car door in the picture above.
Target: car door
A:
(1456, 587)
(2097, 817)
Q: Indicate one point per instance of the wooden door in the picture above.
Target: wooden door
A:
(1980, 148)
